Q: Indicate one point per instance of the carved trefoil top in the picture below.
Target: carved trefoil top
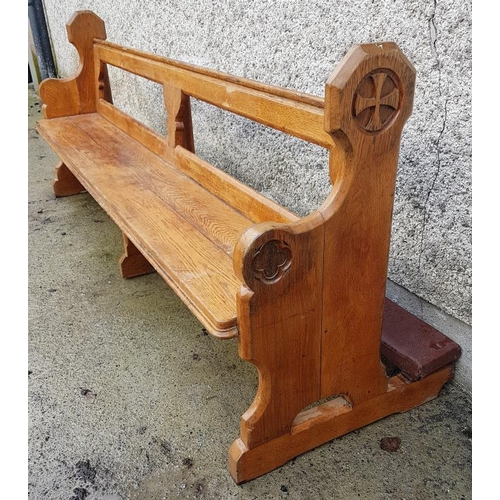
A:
(271, 261)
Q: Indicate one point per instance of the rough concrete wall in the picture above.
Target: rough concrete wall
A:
(297, 44)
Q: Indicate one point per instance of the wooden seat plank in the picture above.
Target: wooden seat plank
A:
(160, 210)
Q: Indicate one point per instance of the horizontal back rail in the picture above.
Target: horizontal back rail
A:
(135, 129)
(245, 82)
(294, 113)
(252, 204)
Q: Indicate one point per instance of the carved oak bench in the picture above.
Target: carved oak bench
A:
(304, 296)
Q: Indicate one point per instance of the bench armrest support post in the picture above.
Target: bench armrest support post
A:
(368, 99)
(279, 321)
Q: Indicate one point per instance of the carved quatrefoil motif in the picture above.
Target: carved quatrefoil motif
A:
(376, 101)
(271, 261)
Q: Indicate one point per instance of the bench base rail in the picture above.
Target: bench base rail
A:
(330, 420)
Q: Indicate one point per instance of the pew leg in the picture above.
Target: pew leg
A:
(132, 263)
(65, 183)
(320, 424)
(284, 345)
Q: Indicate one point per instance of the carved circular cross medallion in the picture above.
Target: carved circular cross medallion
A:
(271, 261)
(376, 101)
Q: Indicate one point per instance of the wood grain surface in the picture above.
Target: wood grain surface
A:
(305, 296)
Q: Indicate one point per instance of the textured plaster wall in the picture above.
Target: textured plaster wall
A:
(297, 44)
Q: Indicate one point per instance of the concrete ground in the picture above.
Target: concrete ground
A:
(130, 399)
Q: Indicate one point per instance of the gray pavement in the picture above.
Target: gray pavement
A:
(130, 399)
